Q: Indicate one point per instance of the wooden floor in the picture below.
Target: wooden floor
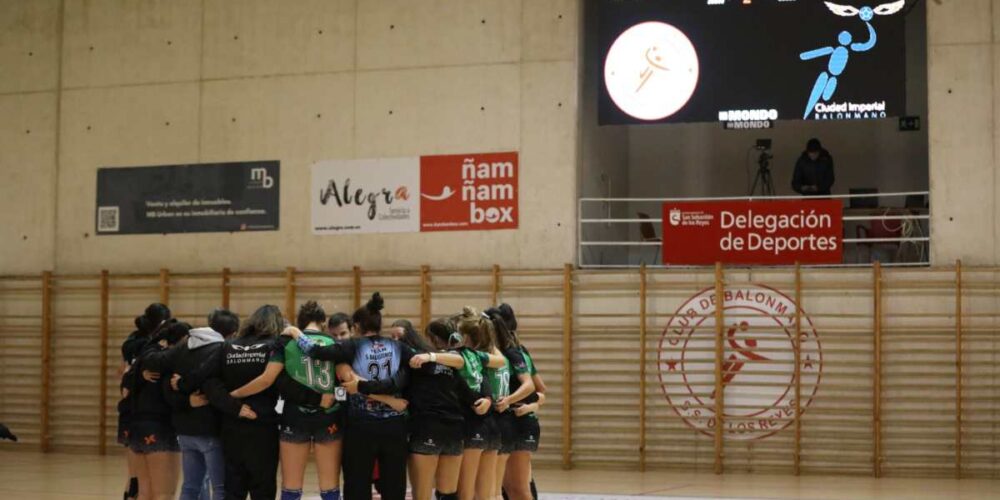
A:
(30, 475)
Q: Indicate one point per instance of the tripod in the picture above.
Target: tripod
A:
(763, 178)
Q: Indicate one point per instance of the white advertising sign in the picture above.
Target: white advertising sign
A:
(366, 196)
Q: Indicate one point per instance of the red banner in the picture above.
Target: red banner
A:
(778, 232)
(468, 192)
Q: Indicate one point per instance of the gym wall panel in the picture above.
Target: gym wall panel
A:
(670, 441)
(962, 98)
(538, 298)
(548, 30)
(961, 22)
(264, 37)
(467, 109)
(980, 372)
(20, 359)
(963, 193)
(308, 118)
(123, 42)
(28, 163)
(120, 126)
(396, 34)
(29, 54)
(75, 403)
(885, 401)
(548, 136)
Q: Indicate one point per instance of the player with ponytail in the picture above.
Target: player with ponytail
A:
(527, 395)
(376, 430)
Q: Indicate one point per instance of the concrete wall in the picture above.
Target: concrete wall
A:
(127, 82)
(86, 84)
(963, 98)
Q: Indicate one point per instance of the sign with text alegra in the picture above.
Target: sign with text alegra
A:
(468, 192)
(365, 196)
(778, 232)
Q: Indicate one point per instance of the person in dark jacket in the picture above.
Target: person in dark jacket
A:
(196, 423)
(249, 427)
(813, 171)
(151, 318)
(442, 404)
(151, 433)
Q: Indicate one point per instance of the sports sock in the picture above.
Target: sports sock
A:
(133, 488)
(291, 494)
(333, 494)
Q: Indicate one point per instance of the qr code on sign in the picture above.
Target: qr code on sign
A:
(107, 219)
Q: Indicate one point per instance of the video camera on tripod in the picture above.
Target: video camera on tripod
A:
(763, 178)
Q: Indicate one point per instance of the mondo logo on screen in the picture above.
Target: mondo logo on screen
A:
(651, 70)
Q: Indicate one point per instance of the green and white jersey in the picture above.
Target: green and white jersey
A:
(320, 376)
(475, 363)
(500, 380)
(528, 361)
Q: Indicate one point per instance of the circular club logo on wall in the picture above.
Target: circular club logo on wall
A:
(758, 371)
(651, 70)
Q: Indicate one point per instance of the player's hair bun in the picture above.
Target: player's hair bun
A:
(311, 308)
(375, 304)
(469, 312)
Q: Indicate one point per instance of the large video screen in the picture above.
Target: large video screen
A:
(736, 61)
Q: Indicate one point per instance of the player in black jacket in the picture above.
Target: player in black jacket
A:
(196, 423)
(439, 400)
(151, 434)
(144, 325)
(306, 427)
(472, 359)
(249, 427)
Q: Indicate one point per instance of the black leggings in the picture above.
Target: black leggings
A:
(251, 460)
(366, 441)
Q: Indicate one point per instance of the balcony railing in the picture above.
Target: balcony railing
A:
(892, 228)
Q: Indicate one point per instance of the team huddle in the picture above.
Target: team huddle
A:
(455, 406)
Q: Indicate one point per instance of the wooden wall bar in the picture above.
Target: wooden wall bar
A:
(877, 372)
(908, 358)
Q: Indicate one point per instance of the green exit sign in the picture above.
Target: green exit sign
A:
(909, 123)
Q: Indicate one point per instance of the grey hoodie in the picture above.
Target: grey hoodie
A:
(200, 337)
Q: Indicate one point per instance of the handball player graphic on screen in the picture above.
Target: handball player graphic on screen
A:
(826, 83)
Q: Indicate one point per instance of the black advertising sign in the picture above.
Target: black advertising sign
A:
(200, 198)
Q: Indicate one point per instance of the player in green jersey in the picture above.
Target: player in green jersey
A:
(472, 360)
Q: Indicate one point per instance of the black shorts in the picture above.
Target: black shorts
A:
(122, 437)
(507, 431)
(297, 427)
(482, 433)
(528, 432)
(429, 436)
(152, 437)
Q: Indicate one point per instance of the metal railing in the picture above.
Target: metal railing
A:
(891, 231)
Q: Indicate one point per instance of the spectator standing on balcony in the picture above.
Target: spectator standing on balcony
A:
(813, 171)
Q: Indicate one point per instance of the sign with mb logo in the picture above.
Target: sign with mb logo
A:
(216, 197)
(260, 178)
